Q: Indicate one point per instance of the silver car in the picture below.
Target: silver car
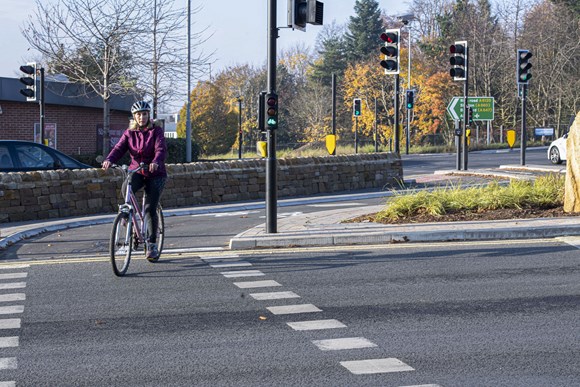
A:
(557, 150)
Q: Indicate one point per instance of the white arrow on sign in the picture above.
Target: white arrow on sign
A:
(451, 108)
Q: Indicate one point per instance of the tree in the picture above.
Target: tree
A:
(213, 121)
(364, 30)
(160, 52)
(332, 58)
(89, 42)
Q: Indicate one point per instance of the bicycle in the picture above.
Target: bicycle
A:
(129, 227)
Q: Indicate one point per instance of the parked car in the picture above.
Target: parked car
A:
(557, 150)
(18, 156)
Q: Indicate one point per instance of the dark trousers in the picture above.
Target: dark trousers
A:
(153, 189)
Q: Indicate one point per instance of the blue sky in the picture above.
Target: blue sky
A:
(238, 29)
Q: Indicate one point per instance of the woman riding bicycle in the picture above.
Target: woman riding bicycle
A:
(146, 144)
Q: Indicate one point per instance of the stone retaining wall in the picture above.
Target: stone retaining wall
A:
(57, 194)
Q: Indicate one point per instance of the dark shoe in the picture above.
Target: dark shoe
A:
(152, 252)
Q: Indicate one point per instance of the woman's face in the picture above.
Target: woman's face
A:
(141, 117)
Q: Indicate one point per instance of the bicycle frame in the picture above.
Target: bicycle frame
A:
(131, 206)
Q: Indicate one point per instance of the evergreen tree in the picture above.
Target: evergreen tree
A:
(331, 48)
(364, 30)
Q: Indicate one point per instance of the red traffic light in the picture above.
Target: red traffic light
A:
(389, 37)
(457, 49)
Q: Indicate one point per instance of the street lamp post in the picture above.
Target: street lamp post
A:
(240, 139)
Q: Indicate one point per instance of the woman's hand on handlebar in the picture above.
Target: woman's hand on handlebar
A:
(106, 164)
(153, 167)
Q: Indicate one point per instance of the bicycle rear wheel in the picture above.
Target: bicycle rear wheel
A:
(160, 229)
(121, 244)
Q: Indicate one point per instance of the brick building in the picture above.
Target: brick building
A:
(73, 118)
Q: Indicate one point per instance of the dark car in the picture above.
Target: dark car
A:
(19, 156)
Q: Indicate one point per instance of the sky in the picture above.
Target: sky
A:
(236, 29)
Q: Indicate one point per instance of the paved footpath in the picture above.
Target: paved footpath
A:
(326, 228)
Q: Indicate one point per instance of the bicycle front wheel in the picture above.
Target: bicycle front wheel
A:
(160, 229)
(121, 244)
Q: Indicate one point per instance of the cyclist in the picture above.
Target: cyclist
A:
(146, 144)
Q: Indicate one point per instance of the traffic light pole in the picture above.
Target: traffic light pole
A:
(465, 146)
(376, 133)
(396, 103)
(355, 134)
(240, 138)
(524, 135)
(271, 185)
(334, 109)
(42, 106)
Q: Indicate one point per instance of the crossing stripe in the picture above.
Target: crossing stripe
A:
(230, 264)
(11, 309)
(10, 323)
(10, 267)
(8, 363)
(11, 341)
(274, 295)
(256, 284)
(225, 256)
(13, 285)
(375, 366)
(12, 297)
(315, 324)
(343, 343)
(7, 384)
(13, 275)
(242, 273)
(293, 309)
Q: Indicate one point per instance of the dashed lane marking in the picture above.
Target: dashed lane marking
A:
(256, 284)
(12, 297)
(14, 266)
(242, 273)
(376, 366)
(6, 342)
(293, 309)
(315, 325)
(343, 343)
(221, 256)
(424, 385)
(274, 295)
(7, 384)
(10, 323)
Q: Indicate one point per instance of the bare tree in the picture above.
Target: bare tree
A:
(161, 52)
(89, 41)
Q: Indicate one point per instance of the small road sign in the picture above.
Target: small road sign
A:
(483, 108)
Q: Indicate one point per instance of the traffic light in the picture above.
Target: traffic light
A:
(524, 67)
(469, 112)
(410, 99)
(271, 111)
(29, 80)
(458, 61)
(391, 50)
(356, 107)
(301, 12)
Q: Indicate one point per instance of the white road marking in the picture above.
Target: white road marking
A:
(343, 343)
(424, 385)
(13, 275)
(11, 309)
(230, 264)
(7, 384)
(10, 267)
(11, 341)
(376, 366)
(284, 215)
(274, 295)
(224, 214)
(8, 363)
(256, 284)
(242, 273)
(344, 204)
(192, 250)
(315, 324)
(571, 240)
(12, 297)
(226, 256)
(10, 323)
(293, 309)
(13, 285)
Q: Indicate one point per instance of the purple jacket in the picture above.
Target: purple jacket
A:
(146, 145)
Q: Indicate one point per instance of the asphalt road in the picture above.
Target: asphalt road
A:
(449, 314)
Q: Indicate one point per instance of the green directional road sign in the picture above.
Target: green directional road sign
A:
(483, 108)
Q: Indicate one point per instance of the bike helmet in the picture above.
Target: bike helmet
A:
(140, 106)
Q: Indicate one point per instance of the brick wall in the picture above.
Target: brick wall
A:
(76, 126)
(57, 194)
